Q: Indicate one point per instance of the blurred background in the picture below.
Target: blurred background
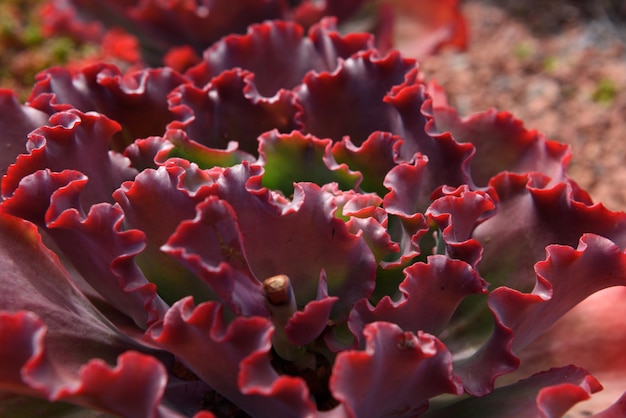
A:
(559, 66)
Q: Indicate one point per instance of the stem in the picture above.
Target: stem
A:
(281, 303)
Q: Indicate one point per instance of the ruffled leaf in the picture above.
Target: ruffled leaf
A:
(278, 54)
(374, 158)
(359, 84)
(143, 153)
(183, 187)
(305, 237)
(306, 325)
(403, 201)
(430, 293)
(211, 246)
(241, 370)
(502, 142)
(547, 395)
(77, 141)
(137, 100)
(228, 228)
(531, 214)
(584, 336)
(46, 357)
(564, 279)
(212, 115)
(95, 243)
(396, 374)
(448, 160)
(133, 388)
(365, 217)
(176, 144)
(16, 121)
(404, 182)
(291, 158)
(457, 214)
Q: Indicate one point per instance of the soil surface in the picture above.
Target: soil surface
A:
(559, 66)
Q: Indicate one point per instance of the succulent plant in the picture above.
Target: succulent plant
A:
(298, 226)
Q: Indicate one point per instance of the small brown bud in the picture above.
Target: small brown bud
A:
(277, 289)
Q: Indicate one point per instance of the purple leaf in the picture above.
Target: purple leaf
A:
(33, 280)
(211, 246)
(404, 201)
(176, 144)
(564, 279)
(155, 151)
(137, 100)
(584, 336)
(502, 142)
(546, 395)
(95, 244)
(238, 366)
(367, 217)
(33, 367)
(396, 374)
(183, 187)
(16, 121)
(306, 237)
(144, 153)
(306, 325)
(457, 213)
(448, 160)
(77, 141)
(212, 115)
(373, 158)
(359, 84)
(404, 181)
(47, 357)
(133, 388)
(279, 54)
(530, 215)
(430, 293)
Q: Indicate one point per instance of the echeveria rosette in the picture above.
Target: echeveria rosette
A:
(332, 242)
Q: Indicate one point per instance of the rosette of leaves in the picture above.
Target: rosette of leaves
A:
(298, 226)
(176, 32)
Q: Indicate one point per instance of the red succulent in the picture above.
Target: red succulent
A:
(297, 226)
